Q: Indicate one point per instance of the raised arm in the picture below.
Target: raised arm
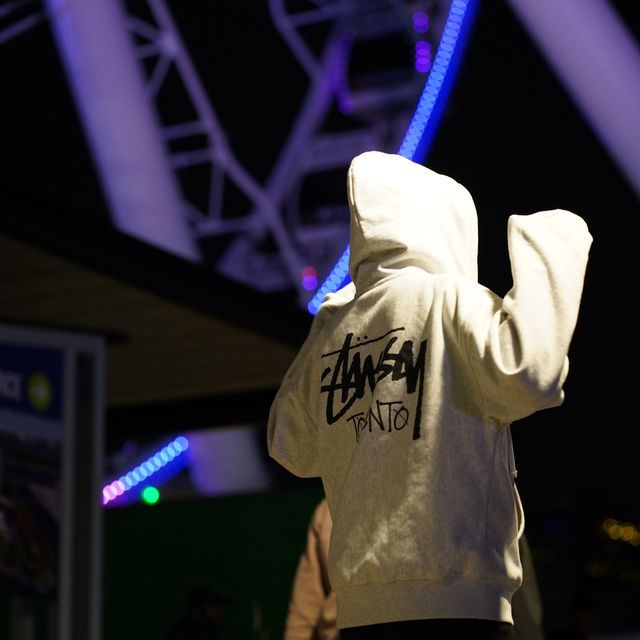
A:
(519, 346)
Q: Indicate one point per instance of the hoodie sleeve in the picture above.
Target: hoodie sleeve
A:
(519, 345)
(292, 430)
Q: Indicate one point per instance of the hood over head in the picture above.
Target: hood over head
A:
(403, 214)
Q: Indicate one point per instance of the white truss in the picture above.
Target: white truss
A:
(383, 103)
(274, 209)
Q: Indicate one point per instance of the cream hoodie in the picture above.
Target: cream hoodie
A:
(401, 397)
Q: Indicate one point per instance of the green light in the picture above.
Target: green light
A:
(40, 391)
(150, 495)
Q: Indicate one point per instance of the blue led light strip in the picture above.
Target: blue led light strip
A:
(425, 119)
(146, 470)
(339, 272)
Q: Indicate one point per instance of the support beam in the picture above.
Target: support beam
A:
(598, 61)
(120, 124)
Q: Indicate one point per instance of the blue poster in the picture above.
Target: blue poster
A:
(31, 401)
(31, 380)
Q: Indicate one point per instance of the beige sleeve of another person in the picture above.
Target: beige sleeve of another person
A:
(312, 608)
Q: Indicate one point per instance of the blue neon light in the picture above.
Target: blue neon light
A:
(338, 274)
(425, 119)
(152, 466)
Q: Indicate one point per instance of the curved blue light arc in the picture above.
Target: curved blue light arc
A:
(426, 117)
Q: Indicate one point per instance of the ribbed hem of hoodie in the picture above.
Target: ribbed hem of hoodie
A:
(398, 601)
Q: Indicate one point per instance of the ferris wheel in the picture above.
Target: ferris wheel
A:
(377, 78)
(379, 73)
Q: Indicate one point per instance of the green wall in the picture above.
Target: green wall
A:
(246, 546)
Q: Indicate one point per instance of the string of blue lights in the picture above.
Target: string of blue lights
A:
(425, 119)
(148, 471)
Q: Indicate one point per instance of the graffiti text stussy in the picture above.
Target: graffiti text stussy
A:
(351, 377)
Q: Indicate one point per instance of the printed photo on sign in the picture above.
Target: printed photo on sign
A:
(30, 468)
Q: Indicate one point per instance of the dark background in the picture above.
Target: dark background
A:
(514, 138)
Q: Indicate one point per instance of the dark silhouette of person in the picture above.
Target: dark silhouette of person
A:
(204, 615)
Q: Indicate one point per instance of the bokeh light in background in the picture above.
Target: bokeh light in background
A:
(150, 495)
(423, 56)
(623, 531)
(420, 22)
(333, 282)
(145, 470)
(309, 278)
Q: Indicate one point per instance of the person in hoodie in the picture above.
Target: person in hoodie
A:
(402, 396)
(312, 606)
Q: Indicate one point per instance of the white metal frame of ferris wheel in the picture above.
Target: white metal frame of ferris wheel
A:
(139, 174)
(308, 149)
(305, 150)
